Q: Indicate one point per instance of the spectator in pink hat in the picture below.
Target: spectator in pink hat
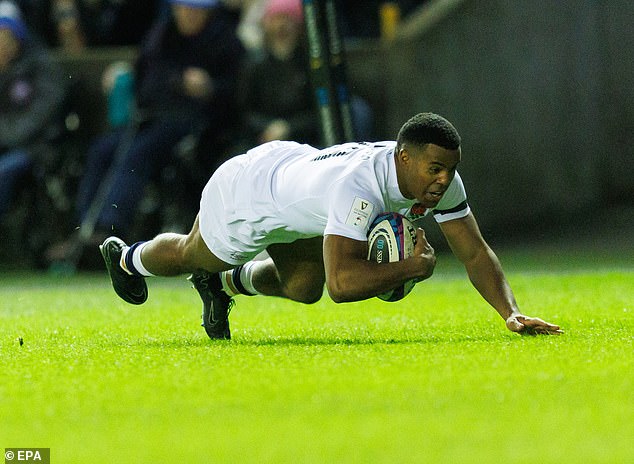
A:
(276, 97)
(277, 101)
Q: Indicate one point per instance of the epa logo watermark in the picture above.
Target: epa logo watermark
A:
(27, 455)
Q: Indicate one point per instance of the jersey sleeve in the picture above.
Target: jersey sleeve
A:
(352, 209)
(453, 204)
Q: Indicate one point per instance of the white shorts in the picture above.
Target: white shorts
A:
(238, 218)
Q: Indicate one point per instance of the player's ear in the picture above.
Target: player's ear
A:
(403, 155)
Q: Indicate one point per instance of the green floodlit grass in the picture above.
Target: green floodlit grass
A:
(435, 378)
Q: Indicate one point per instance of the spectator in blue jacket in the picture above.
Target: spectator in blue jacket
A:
(185, 79)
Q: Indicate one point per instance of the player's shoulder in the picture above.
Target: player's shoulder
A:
(456, 182)
(355, 147)
(379, 147)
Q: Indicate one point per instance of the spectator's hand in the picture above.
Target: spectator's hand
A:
(531, 326)
(197, 83)
(276, 130)
(111, 73)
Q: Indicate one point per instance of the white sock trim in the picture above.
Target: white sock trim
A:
(246, 277)
(226, 278)
(136, 261)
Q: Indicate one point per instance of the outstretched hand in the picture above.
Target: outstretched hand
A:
(531, 326)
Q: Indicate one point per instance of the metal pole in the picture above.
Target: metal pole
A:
(337, 64)
(320, 73)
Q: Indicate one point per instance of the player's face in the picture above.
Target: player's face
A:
(425, 173)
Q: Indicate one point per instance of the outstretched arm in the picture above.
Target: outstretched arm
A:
(487, 276)
(351, 277)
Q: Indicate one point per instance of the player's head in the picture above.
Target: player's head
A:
(427, 128)
(427, 154)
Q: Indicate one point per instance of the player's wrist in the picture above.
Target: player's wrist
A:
(422, 267)
(510, 314)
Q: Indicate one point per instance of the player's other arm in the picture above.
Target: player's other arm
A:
(351, 277)
(486, 274)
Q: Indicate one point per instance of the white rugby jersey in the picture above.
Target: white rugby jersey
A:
(297, 191)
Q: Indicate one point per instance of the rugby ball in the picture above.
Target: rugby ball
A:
(391, 238)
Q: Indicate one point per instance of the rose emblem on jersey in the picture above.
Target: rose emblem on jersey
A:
(416, 211)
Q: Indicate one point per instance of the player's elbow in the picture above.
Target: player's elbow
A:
(339, 292)
(339, 297)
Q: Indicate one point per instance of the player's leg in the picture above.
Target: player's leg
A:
(294, 271)
(167, 254)
(300, 272)
(171, 254)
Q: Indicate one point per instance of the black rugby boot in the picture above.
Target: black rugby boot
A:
(216, 304)
(130, 288)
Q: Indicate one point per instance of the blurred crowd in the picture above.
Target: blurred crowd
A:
(209, 80)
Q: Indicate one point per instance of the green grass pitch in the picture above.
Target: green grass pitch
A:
(435, 378)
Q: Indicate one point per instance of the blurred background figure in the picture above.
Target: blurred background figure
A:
(31, 102)
(276, 99)
(184, 86)
(358, 19)
(117, 85)
(249, 22)
(74, 25)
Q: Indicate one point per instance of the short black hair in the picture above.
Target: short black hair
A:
(427, 128)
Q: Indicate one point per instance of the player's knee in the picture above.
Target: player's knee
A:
(305, 293)
(194, 253)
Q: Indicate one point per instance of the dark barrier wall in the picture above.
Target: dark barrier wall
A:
(541, 92)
